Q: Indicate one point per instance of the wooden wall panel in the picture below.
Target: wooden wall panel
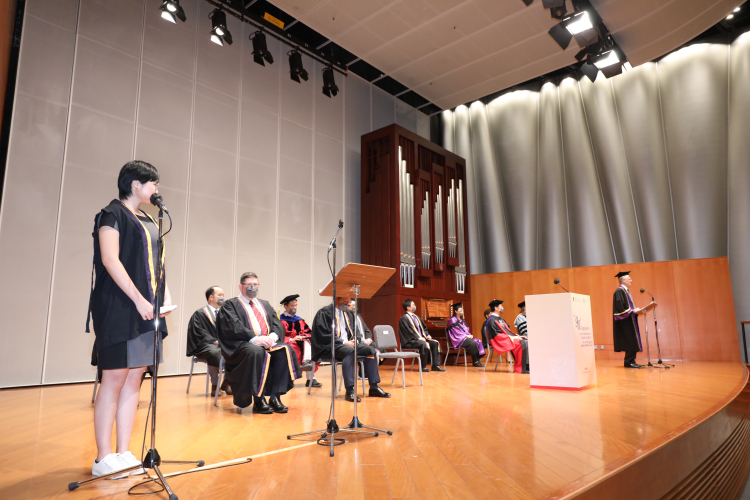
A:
(695, 313)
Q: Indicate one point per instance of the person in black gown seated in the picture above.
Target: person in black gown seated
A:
(257, 361)
(122, 311)
(342, 328)
(414, 335)
(202, 341)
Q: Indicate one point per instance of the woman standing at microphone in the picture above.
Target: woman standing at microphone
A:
(121, 307)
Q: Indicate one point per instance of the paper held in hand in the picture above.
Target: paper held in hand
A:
(166, 309)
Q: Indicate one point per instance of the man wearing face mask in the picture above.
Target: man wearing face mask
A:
(414, 335)
(297, 334)
(258, 362)
(502, 339)
(202, 341)
(341, 326)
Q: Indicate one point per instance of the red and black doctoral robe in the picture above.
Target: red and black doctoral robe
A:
(501, 339)
(294, 326)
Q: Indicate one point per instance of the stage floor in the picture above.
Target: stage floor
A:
(465, 434)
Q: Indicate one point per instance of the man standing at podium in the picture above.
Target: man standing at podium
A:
(627, 337)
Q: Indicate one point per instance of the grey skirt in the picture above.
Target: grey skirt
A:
(134, 353)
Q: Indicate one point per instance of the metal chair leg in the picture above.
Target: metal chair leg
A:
(219, 379)
(489, 357)
(208, 377)
(499, 355)
(421, 382)
(403, 374)
(465, 364)
(190, 378)
(309, 387)
(447, 352)
(393, 379)
(362, 366)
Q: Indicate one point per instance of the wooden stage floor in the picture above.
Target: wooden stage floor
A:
(465, 434)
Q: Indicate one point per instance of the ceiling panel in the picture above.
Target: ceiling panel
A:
(455, 51)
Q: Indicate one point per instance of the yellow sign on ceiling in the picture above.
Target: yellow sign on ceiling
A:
(278, 22)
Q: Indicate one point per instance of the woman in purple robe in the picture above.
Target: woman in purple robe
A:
(460, 336)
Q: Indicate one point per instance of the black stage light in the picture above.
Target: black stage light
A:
(171, 11)
(296, 71)
(329, 83)
(561, 35)
(589, 70)
(556, 8)
(260, 50)
(219, 31)
(528, 2)
(579, 25)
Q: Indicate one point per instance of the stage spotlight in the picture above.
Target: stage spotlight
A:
(329, 83)
(590, 71)
(561, 35)
(219, 31)
(528, 2)
(170, 9)
(606, 59)
(296, 71)
(730, 16)
(578, 25)
(260, 50)
(736, 9)
(556, 8)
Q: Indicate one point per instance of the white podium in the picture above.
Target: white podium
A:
(561, 341)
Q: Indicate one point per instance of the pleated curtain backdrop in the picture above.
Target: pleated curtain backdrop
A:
(653, 164)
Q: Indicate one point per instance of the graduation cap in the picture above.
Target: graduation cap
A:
(288, 299)
(621, 274)
(522, 304)
(458, 306)
(494, 304)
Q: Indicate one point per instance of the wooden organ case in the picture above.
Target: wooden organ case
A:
(414, 219)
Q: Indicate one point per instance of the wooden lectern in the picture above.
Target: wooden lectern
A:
(561, 341)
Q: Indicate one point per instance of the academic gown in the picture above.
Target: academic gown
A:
(411, 329)
(501, 338)
(460, 336)
(294, 326)
(627, 336)
(323, 328)
(252, 370)
(201, 335)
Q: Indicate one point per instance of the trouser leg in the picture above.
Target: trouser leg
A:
(525, 359)
(280, 379)
(347, 364)
(371, 369)
(471, 349)
(435, 349)
(213, 373)
(517, 356)
(630, 357)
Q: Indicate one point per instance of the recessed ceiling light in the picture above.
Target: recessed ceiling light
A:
(736, 9)
(730, 16)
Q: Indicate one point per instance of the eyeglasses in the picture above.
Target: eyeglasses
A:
(155, 183)
(248, 284)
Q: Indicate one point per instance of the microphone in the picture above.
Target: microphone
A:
(557, 282)
(333, 241)
(158, 201)
(652, 297)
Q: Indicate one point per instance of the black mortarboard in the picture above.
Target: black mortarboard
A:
(522, 304)
(621, 274)
(458, 306)
(288, 299)
(494, 304)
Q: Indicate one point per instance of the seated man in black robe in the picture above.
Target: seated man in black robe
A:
(414, 335)
(257, 361)
(202, 341)
(325, 325)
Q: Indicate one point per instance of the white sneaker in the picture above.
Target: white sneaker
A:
(109, 464)
(131, 460)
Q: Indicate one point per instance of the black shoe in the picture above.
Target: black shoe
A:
(306, 366)
(425, 369)
(478, 364)
(377, 392)
(634, 365)
(260, 406)
(350, 396)
(213, 390)
(276, 405)
(225, 387)
(315, 383)
(438, 369)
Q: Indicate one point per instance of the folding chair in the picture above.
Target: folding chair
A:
(384, 338)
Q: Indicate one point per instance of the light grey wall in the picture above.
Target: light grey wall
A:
(653, 164)
(255, 168)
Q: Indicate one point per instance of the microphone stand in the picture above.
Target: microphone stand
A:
(152, 460)
(656, 327)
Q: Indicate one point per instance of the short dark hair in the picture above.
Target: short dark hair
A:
(135, 170)
(495, 304)
(487, 312)
(247, 275)
(406, 304)
(210, 291)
